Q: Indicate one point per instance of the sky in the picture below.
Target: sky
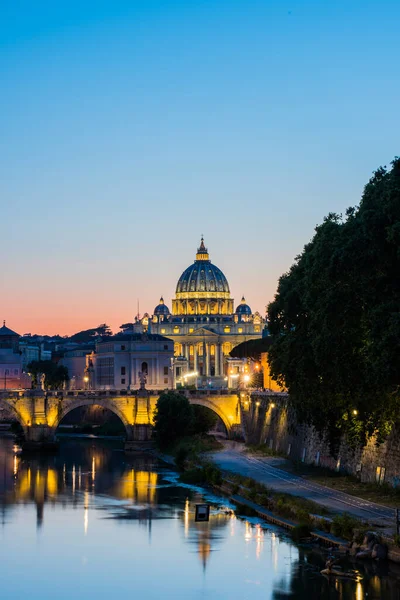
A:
(129, 128)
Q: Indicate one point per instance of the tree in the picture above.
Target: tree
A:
(251, 348)
(173, 418)
(204, 419)
(126, 326)
(55, 375)
(87, 335)
(335, 320)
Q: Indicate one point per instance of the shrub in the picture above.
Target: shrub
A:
(192, 476)
(344, 526)
(181, 456)
(302, 516)
(299, 532)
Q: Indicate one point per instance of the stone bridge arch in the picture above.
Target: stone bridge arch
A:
(216, 409)
(77, 402)
(19, 411)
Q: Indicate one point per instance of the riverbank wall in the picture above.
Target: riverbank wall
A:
(272, 422)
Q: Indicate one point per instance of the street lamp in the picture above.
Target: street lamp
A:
(86, 380)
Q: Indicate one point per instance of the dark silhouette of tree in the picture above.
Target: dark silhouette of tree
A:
(173, 418)
(87, 335)
(55, 375)
(335, 319)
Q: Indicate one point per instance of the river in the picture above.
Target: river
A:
(91, 523)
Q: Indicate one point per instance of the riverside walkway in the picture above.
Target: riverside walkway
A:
(266, 471)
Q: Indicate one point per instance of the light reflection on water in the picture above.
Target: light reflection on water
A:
(91, 523)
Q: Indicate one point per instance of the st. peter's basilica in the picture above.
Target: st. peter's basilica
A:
(203, 324)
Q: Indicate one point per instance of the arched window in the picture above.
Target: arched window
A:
(145, 368)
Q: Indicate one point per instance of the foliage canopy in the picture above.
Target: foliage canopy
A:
(335, 319)
(55, 375)
(175, 418)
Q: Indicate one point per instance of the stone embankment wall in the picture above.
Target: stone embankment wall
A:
(270, 421)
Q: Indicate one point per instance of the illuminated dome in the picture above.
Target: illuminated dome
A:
(161, 309)
(243, 308)
(202, 276)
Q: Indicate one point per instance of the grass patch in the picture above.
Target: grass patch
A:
(189, 449)
(344, 526)
(381, 494)
(264, 450)
(207, 474)
(292, 507)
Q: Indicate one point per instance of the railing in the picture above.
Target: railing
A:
(113, 393)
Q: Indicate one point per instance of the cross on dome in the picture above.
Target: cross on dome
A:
(202, 251)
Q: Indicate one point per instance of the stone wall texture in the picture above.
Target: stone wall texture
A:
(269, 420)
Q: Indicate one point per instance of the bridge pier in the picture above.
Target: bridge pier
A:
(39, 437)
(139, 437)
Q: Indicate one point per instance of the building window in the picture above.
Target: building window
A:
(165, 370)
(7, 371)
(122, 347)
(176, 329)
(15, 371)
(257, 328)
(165, 379)
(165, 346)
(191, 330)
(162, 330)
(240, 329)
(123, 370)
(227, 329)
(122, 381)
(145, 368)
(105, 371)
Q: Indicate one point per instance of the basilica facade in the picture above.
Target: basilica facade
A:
(203, 324)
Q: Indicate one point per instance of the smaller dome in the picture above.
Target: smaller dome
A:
(243, 308)
(7, 332)
(161, 309)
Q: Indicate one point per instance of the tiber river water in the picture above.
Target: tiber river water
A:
(90, 523)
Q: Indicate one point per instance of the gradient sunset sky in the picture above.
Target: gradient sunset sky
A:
(128, 129)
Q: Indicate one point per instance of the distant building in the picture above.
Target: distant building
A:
(11, 362)
(204, 325)
(29, 353)
(269, 383)
(118, 360)
(75, 361)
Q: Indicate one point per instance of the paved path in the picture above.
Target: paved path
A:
(233, 459)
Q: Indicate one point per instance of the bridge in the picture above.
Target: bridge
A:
(40, 412)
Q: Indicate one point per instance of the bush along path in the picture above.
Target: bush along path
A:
(307, 520)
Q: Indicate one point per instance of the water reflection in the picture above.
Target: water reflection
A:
(122, 526)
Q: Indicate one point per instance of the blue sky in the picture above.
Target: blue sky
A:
(130, 128)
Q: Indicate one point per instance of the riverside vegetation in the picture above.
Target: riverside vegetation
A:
(180, 430)
(335, 321)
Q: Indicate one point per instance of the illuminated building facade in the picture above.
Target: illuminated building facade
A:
(118, 360)
(204, 324)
